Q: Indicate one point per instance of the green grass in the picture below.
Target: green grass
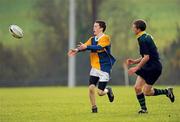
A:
(61, 104)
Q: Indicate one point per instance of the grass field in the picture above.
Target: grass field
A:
(61, 104)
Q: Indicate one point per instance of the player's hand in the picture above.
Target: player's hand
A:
(132, 70)
(81, 46)
(72, 52)
(130, 62)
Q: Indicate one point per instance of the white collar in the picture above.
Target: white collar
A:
(97, 39)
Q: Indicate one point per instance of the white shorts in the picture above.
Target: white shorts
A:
(103, 76)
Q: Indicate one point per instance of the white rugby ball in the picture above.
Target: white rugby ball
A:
(16, 31)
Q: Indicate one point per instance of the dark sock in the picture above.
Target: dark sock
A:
(160, 92)
(141, 99)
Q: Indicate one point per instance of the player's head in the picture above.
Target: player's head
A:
(99, 27)
(138, 26)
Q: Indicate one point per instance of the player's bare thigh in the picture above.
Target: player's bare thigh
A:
(141, 86)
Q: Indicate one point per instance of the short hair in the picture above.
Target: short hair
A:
(102, 24)
(140, 24)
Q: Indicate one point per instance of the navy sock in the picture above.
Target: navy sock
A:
(142, 102)
(160, 92)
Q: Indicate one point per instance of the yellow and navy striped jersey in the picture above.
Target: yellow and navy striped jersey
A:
(100, 55)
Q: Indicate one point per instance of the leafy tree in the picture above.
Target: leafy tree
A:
(172, 61)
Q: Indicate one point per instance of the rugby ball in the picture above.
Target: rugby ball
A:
(16, 31)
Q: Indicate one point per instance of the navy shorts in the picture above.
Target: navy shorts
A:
(94, 80)
(149, 75)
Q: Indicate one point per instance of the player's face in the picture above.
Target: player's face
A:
(135, 30)
(97, 29)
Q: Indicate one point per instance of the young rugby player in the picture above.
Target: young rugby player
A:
(148, 67)
(101, 62)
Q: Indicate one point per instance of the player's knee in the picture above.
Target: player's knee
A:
(100, 92)
(137, 89)
(147, 92)
(91, 88)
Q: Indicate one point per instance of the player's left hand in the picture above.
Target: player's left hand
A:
(82, 46)
(72, 52)
(132, 70)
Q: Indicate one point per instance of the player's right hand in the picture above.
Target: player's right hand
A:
(72, 52)
(130, 62)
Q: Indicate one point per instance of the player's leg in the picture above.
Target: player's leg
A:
(139, 93)
(102, 89)
(92, 95)
(150, 91)
(92, 86)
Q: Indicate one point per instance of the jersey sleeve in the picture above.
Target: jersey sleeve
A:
(94, 47)
(104, 42)
(101, 44)
(88, 42)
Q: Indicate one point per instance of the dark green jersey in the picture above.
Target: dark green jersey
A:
(148, 47)
(151, 71)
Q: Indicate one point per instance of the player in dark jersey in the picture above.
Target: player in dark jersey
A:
(148, 67)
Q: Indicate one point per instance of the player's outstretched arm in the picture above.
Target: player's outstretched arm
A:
(82, 46)
(72, 52)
